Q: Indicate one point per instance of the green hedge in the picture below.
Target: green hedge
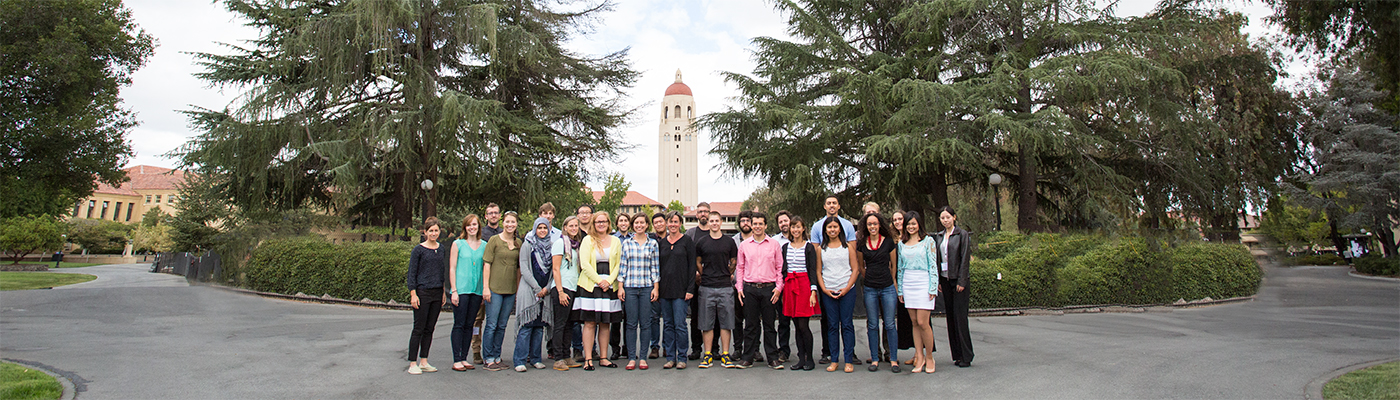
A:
(1051, 270)
(1317, 259)
(313, 266)
(1373, 265)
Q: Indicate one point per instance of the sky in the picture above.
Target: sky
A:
(702, 38)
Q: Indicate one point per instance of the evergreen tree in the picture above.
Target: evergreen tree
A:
(350, 104)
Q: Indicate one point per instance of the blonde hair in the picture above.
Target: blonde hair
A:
(606, 217)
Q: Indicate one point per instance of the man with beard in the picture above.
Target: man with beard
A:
(702, 214)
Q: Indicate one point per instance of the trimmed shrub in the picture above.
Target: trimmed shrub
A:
(1213, 270)
(1317, 259)
(1126, 271)
(998, 244)
(1373, 265)
(314, 266)
(1028, 273)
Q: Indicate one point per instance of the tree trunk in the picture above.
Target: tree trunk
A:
(1026, 201)
(938, 187)
(403, 217)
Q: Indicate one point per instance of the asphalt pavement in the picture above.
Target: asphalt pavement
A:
(133, 334)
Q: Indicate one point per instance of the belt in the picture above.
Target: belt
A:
(761, 284)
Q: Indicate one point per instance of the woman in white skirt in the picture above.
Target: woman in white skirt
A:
(918, 287)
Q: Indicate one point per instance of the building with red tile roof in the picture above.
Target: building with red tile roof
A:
(148, 187)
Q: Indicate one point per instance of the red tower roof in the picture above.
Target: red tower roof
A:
(678, 88)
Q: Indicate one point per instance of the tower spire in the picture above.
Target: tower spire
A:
(678, 75)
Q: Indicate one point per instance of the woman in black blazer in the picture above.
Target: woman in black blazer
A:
(954, 248)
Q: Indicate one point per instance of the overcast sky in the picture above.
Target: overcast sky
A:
(699, 37)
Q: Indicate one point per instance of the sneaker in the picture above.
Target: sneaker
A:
(574, 362)
(495, 366)
(744, 364)
(539, 365)
(774, 364)
(561, 366)
(824, 360)
(423, 365)
(727, 361)
(521, 368)
(415, 370)
(707, 360)
(655, 352)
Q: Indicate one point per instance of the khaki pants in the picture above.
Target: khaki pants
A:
(476, 335)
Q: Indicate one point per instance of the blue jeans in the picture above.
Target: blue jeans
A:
(655, 324)
(880, 306)
(462, 317)
(527, 344)
(637, 305)
(840, 329)
(493, 331)
(676, 340)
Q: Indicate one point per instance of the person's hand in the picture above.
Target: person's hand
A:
(413, 301)
(655, 292)
(542, 293)
(776, 295)
(931, 296)
(829, 293)
(622, 293)
(741, 298)
(454, 299)
(901, 299)
(603, 284)
(688, 296)
(563, 298)
(812, 300)
(960, 288)
(486, 295)
(444, 297)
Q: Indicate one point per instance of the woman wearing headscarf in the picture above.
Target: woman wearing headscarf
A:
(532, 311)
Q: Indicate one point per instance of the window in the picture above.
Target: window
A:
(678, 128)
(677, 175)
(117, 213)
(678, 111)
(678, 146)
(91, 205)
(689, 113)
(678, 160)
(157, 199)
(678, 138)
(104, 209)
(687, 137)
(148, 199)
(668, 138)
(77, 207)
(665, 112)
(129, 207)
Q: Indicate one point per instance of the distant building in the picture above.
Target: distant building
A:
(677, 155)
(633, 203)
(729, 212)
(150, 187)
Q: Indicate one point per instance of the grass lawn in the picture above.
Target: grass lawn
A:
(1378, 382)
(20, 382)
(38, 280)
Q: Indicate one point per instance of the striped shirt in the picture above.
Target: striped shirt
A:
(641, 263)
(796, 260)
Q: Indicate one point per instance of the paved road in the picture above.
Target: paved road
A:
(130, 334)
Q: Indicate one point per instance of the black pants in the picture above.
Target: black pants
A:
(804, 337)
(784, 329)
(826, 345)
(424, 322)
(560, 330)
(759, 314)
(462, 316)
(739, 331)
(959, 340)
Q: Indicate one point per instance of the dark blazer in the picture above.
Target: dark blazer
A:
(959, 254)
(810, 250)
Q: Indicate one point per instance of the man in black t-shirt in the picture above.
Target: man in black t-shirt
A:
(702, 213)
(716, 256)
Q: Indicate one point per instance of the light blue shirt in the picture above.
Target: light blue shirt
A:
(846, 225)
(568, 266)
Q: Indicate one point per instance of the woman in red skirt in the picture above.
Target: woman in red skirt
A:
(800, 289)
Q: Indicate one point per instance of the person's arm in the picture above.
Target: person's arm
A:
(557, 261)
(966, 273)
(894, 264)
(856, 270)
(655, 270)
(588, 261)
(898, 265)
(487, 257)
(695, 279)
(777, 257)
(932, 255)
(412, 280)
(614, 259)
(741, 265)
(452, 272)
(821, 282)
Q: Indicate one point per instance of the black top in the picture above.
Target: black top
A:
(695, 233)
(426, 267)
(877, 263)
(715, 255)
(487, 231)
(677, 268)
(959, 254)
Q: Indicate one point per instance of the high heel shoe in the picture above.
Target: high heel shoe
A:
(918, 367)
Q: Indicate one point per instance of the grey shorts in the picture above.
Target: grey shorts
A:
(716, 303)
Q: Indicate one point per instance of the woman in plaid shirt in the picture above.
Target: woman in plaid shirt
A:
(638, 275)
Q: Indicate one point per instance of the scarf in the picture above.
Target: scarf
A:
(542, 266)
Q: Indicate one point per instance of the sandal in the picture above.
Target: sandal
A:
(457, 366)
(588, 365)
(609, 364)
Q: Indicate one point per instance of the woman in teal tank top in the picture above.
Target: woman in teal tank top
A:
(464, 275)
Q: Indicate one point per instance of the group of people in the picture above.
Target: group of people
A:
(577, 284)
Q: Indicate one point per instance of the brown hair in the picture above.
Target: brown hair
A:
(431, 222)
(547, 206)
(468, 220)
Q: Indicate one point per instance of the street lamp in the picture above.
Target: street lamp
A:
(427, 184)
(995, 180)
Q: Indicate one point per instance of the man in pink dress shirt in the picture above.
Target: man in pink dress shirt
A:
(758, 279)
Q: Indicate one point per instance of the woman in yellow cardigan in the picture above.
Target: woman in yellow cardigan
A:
(596, 304)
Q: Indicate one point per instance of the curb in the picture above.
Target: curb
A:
(1313, 390)
(69, 391)
(1355, 274)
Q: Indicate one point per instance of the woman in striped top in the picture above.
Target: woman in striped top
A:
(639, 274)
(596, 304)
(800, 288)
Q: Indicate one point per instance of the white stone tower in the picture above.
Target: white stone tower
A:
(678, 166)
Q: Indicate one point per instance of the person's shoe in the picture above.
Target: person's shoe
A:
(521, 368)
(680, 365)
(895, 368)
(631, 365)
(884, 356)
(643, 365)
(832, 367)
(774, 364)
(539, 365)
(706, 361)
(668, 365)
(758, 358)
(618, 354)
(476, 359)
(413, 369)
(727, 361)
(824, 360)
(744, 364)
(426, 367)
(655, 352)
(695, 354)
(963, 364)
(495, 366)
(850, 367)
(783, 357)
(457, 366)
(855, 361)
(574, 362)
(560, 365)
(874, 367)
